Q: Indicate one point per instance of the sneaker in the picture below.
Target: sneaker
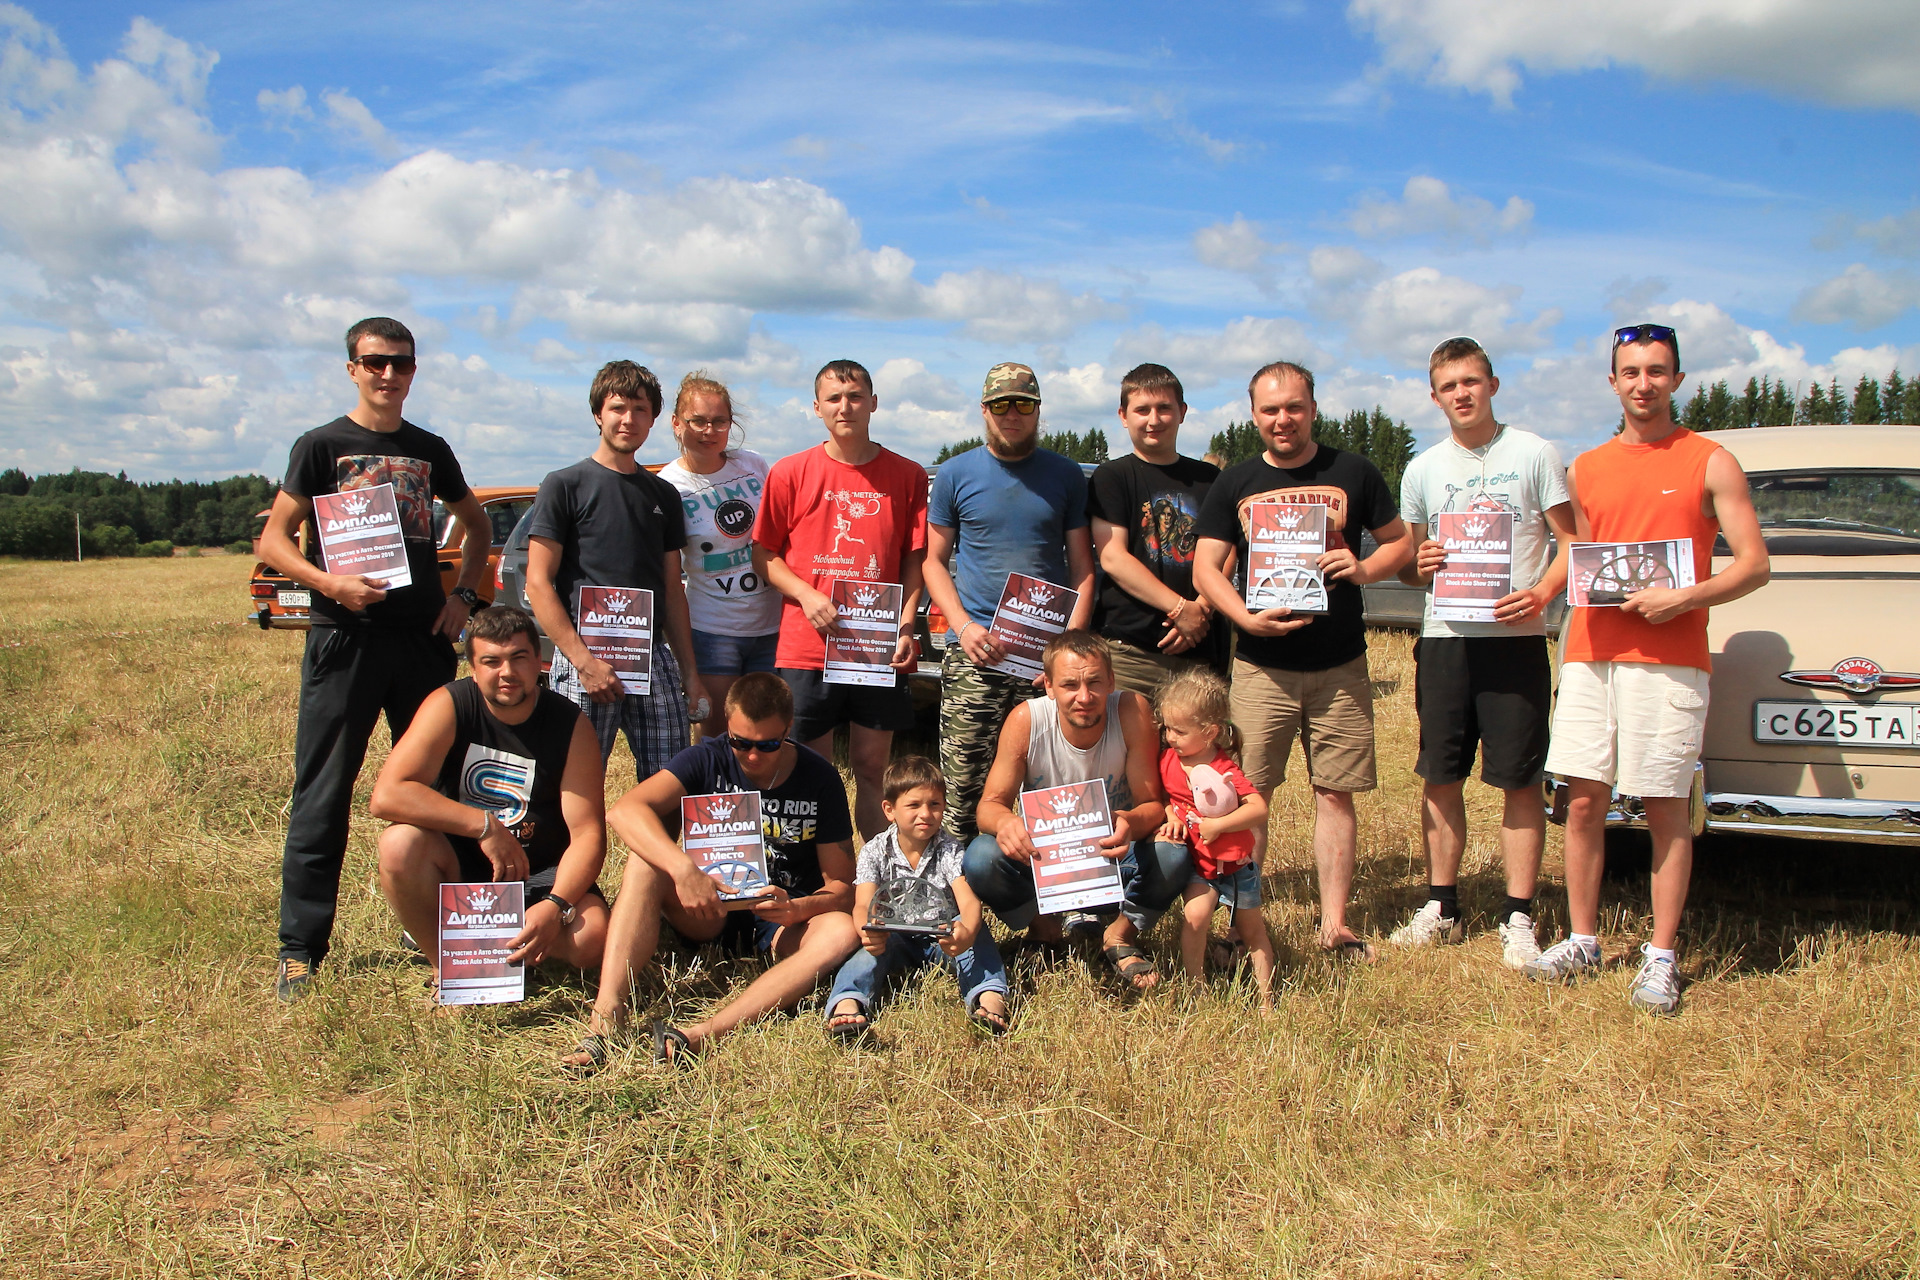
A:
(407, 941)
(294, 978)
(1564, 961)
(1518, 947)
(1656, 988)
(1427, 927)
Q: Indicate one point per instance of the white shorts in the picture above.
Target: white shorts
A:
(1636, 726)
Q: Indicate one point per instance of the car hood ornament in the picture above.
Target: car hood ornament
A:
(1854, 675)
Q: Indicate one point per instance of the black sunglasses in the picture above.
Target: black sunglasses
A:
(380, 364)
(1634, 334)
(765, 746)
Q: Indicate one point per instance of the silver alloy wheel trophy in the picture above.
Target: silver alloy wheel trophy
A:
(912, 905)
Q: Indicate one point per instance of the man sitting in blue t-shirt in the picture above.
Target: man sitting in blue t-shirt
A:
(804, 927)
(1011, 507)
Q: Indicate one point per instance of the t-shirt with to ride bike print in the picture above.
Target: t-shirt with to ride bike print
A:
(830, 520)
(1357, 498)
(342, 456)
(805, 811)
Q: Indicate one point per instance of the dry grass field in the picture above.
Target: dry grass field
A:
(1432, 1116)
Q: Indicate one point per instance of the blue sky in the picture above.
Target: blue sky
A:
(203, 196)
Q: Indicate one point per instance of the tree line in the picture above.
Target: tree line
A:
(1766, 403)
(119, 517)
(1091, 447)
(1374, 434)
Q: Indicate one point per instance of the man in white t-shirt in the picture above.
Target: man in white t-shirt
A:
(1484, 683)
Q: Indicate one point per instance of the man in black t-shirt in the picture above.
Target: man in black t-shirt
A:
(1144, 509)
(606, 521)
(805, 927)
(1305, 675)
(368, 649)
(499, 779)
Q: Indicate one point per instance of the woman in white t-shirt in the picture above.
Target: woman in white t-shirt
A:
(736, 617)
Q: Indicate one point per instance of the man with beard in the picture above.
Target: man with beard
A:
(1302, 675)
(1083, 728)
(1011, 507)
(540, 818)
(1143, 508)
(606, 521)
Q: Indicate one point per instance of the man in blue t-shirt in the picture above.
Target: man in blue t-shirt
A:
(1011, 507)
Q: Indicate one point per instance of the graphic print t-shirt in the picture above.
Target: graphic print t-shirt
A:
(1515, 472)
(343, 455)
(829, 520)
(1159, 507)
(513, 769)
(798, 816)
(1356, 497)
(614, 529)
(724, 595)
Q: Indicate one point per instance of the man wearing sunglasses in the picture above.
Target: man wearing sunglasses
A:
(805, 928)
(368, 650)
(1632, 708)
(1010, 507)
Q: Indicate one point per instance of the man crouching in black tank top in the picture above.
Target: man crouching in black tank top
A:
(539, 817)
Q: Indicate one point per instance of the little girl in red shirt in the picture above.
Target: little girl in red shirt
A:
(1215, 810)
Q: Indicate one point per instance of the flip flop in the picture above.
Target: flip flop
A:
(848, 1027)
(1353, 951)
(1132, 964)
(671, 1048)
(995, 1024)
(594, 1048)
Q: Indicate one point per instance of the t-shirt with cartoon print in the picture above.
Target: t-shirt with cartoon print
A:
(1515, 472)
(724, 595)
(343, 455)
(1159, 508)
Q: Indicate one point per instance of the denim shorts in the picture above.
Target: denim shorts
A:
(720, 655)
(1238, 890)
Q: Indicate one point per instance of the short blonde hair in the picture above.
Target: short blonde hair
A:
(1204, 696)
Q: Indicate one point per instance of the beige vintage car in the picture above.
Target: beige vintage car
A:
(1816, 676)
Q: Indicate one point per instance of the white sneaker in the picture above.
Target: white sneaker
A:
(1518, 947)
(1427, 927)
(1564, 961)
(1656, 988)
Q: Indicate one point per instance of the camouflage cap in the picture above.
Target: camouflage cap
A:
(1010, 382)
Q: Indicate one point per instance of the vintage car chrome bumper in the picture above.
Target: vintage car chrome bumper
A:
(1814, 817)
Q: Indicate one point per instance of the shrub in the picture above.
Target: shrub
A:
(158, 547)
(240, 547)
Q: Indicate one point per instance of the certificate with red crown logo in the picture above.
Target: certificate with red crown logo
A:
(1285, 541)
(616, 625)
(361, 535)
(1032, 612)
(478, 923)
(1479, 568)
(1066, 824)
(1604, 574)
(860, 644)
(721, 833)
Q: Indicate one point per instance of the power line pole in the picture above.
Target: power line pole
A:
(79, 555)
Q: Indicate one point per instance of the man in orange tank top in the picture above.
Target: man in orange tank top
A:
(1633, 687)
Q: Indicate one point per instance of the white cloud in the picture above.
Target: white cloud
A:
(1861, 297)
(1338, 266)
(1404, 316)
(1239, 246)
(1229, 354)
(1858, 53)
(283, 105)
(1897, 235)
(353, 118)
(903, 380)
(1427, 207)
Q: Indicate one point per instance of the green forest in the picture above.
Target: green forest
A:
(119, 517)
(1766, 403)
(1375, 434)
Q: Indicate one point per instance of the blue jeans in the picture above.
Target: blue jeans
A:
(1152, 874)
(978, 969)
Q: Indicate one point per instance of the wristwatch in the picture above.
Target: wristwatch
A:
(467, 596)
(567, 909)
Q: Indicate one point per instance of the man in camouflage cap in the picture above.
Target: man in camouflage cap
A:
(1010, 507)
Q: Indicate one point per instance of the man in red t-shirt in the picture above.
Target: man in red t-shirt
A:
(846, 508)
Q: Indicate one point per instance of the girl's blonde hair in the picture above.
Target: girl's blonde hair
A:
(698, 383)
(1204, 696)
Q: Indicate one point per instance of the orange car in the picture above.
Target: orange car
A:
(277, 602)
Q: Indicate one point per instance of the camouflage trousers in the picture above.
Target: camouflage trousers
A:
(974, 703)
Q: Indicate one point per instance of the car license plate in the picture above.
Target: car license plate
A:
(296, 599)
(1834, 724)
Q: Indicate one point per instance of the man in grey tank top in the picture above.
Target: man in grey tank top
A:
(1083, 728)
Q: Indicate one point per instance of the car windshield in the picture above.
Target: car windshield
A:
(1838, 513)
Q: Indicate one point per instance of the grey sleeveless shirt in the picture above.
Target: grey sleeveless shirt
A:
(1053, 761)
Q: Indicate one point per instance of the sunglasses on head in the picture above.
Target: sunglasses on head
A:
(765, 746)
(1001, 408)
(380, 364)
(1634, 334)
